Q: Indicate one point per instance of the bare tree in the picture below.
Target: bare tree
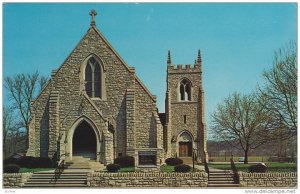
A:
(279, 95)
(242, 123)
(22, 90)
(12, 131)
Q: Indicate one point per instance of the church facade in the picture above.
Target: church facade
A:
(95, 105)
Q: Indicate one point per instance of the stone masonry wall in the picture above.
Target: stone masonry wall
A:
(179, 110)
(15, 180)
(68, 81)
(276, 179)
(174, 78)
(199, 179)
(39, 125)
(145, 129)
(192, 109)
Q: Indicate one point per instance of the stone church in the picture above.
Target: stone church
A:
(94, 105)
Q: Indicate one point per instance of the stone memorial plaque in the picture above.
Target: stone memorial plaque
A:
(147, 158)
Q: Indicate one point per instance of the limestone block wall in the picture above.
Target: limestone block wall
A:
(145, 122)
(174, 78)
(118, 77)
(192, 110)
(15, 180)
(179, 110)
(68, 81)
(39, 125)
(130, 122)
(146, 180)
(276, 179)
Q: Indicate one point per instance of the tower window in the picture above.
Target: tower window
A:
(184, 119)
(185, 90)
(93, 75)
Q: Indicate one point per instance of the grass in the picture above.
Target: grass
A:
(272, 166)
(23, 170)
(127, 169)
(166, 168)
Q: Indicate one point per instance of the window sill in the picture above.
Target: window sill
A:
(97, 98)
(184, 102)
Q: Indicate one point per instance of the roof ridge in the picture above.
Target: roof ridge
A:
(125, 64)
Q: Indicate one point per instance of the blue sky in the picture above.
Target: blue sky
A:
(237, 41)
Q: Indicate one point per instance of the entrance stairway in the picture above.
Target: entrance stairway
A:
(65, 179)
(74, 174)
(221, 178)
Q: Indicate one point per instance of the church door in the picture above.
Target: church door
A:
(185, 149)
(185, 144)
(84, 141)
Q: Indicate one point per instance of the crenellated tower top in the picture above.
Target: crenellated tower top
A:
(187, 68)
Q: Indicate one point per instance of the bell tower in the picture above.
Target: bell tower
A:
(185, 119)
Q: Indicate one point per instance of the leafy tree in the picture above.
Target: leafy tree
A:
(242, 123)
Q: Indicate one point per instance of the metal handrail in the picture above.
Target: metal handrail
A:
(235, 172)
(206, 167)
(58, 171)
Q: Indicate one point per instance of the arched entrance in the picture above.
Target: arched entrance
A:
(84, 141)
(185, 142)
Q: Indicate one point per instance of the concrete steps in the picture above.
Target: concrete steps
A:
(74, 174)
(221, 178)
(49, 179)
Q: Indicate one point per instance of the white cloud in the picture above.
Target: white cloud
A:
(148, 17)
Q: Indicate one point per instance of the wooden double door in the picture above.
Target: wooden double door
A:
(185, 149)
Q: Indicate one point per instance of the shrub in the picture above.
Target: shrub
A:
(173, 161)
(43, 162)
(27, 162)
(11, 168)
(125, 161)
(113, 167)
(11, 161)
(182, 168)
(260, 168)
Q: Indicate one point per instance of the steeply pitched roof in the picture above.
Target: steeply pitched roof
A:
(123, 62)
(93, 27)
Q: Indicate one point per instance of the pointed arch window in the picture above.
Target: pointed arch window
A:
(93, 77)
(185, 90)
(88, 80)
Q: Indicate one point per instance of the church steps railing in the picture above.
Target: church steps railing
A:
(235, 171)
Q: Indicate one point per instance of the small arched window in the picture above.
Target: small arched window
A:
(185, 90)
(93, 78)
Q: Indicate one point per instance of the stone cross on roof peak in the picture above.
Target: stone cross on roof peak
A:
(93, 13)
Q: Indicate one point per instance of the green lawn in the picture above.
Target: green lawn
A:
(272, 166)
(166, 168)
(127, 169)
(22, 170)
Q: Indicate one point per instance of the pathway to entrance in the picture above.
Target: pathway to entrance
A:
(74, 174)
